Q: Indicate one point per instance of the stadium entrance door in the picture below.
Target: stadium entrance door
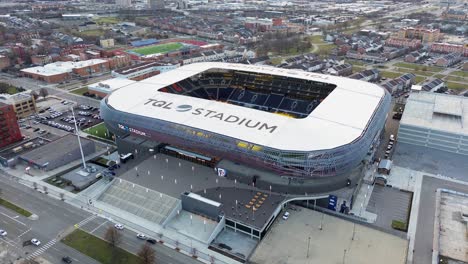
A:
(190, 156)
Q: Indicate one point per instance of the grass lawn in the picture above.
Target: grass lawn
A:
(14, 207)
(456, 79)
(390, 75)
(92, 33)
(107, 20)
(422, 73)
(80, 91)
(161, 48)
(317, 39)
(357, 68)
(277, 60)
(456, 86)
(99, 130)
(356, 62)
(419, 79)
(440, 76)
(99, 249)
(460, 74)
(418, 67)
(325, 49)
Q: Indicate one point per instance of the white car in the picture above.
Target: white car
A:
(141, 236)
(119, 226)
(286, 216)
(3, 233)
(35, 242)
(392, 137)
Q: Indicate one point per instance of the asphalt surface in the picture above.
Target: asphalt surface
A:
(57, 217)
(425, 225)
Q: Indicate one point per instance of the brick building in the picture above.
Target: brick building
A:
(62, 70)
(450, 48)
(9, 129)
(403, 42)
(424, 34)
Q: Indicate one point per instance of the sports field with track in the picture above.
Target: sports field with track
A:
(158, 48)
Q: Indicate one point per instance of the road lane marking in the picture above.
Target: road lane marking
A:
(18, 221)
(98, 227)
(41, 250)
(24, 232)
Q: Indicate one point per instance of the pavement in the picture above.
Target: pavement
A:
(55, 220)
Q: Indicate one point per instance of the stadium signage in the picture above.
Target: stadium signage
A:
(206, 113)
(132, 130)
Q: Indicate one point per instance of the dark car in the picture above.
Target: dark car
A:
(222, 245)
(151, 241)
(67, 259)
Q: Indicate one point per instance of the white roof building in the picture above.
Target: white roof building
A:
(60, 67)
(338, 120)
(107, 86)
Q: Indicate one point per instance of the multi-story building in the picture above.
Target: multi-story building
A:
(403, 42)
(9, 129)
(107, 43)
(23, 103)
(422, 33)
(156, 4)
(142, 70)
(41, 59)
(454, 14)
(450, 48)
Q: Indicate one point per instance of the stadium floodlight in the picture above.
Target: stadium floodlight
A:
(79, 140)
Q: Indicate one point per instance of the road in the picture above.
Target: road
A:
(56, 218)
(425, 226)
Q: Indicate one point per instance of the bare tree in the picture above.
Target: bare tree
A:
(113, 236)
(147, 254)
(34, 95)
(43, 92)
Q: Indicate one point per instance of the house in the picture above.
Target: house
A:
(415, 56)
(448, 60)
(366, 75)
(435, 85)
(341, 70)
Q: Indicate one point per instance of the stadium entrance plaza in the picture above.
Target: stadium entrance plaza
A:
(300, 240)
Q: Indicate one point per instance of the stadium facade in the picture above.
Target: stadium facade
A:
(295, 124)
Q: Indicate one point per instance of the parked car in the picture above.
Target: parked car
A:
(3, 233)
(286, 216)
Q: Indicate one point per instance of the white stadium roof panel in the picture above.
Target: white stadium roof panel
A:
(339, 120)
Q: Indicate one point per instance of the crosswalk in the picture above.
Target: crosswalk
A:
(85, 221)
(49, 244)
(42, 249)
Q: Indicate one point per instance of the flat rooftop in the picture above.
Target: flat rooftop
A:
(437, 112)
(110, 85)
(287, 242)
(339, 120)
(453, 228)
(60, 67)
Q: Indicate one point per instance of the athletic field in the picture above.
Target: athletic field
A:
(158, 48)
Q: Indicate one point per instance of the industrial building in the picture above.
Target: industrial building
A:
(436, 121)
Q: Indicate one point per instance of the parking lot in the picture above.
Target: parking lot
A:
(62, 120)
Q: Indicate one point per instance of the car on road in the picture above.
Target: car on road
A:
(141, 236)
(389, 147)
(119, 226)
(35, 241)
(67, 259)
(392, 137)
(151, 241)
(3, 233)
(286, 216)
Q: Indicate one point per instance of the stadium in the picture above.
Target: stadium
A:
(291, 124)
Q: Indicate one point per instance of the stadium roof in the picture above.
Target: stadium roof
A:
(340, 119)
(437, 112)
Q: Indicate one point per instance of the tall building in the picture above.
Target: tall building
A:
(123, 3)
(156, 4)
(9, 129)
(23, 103)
